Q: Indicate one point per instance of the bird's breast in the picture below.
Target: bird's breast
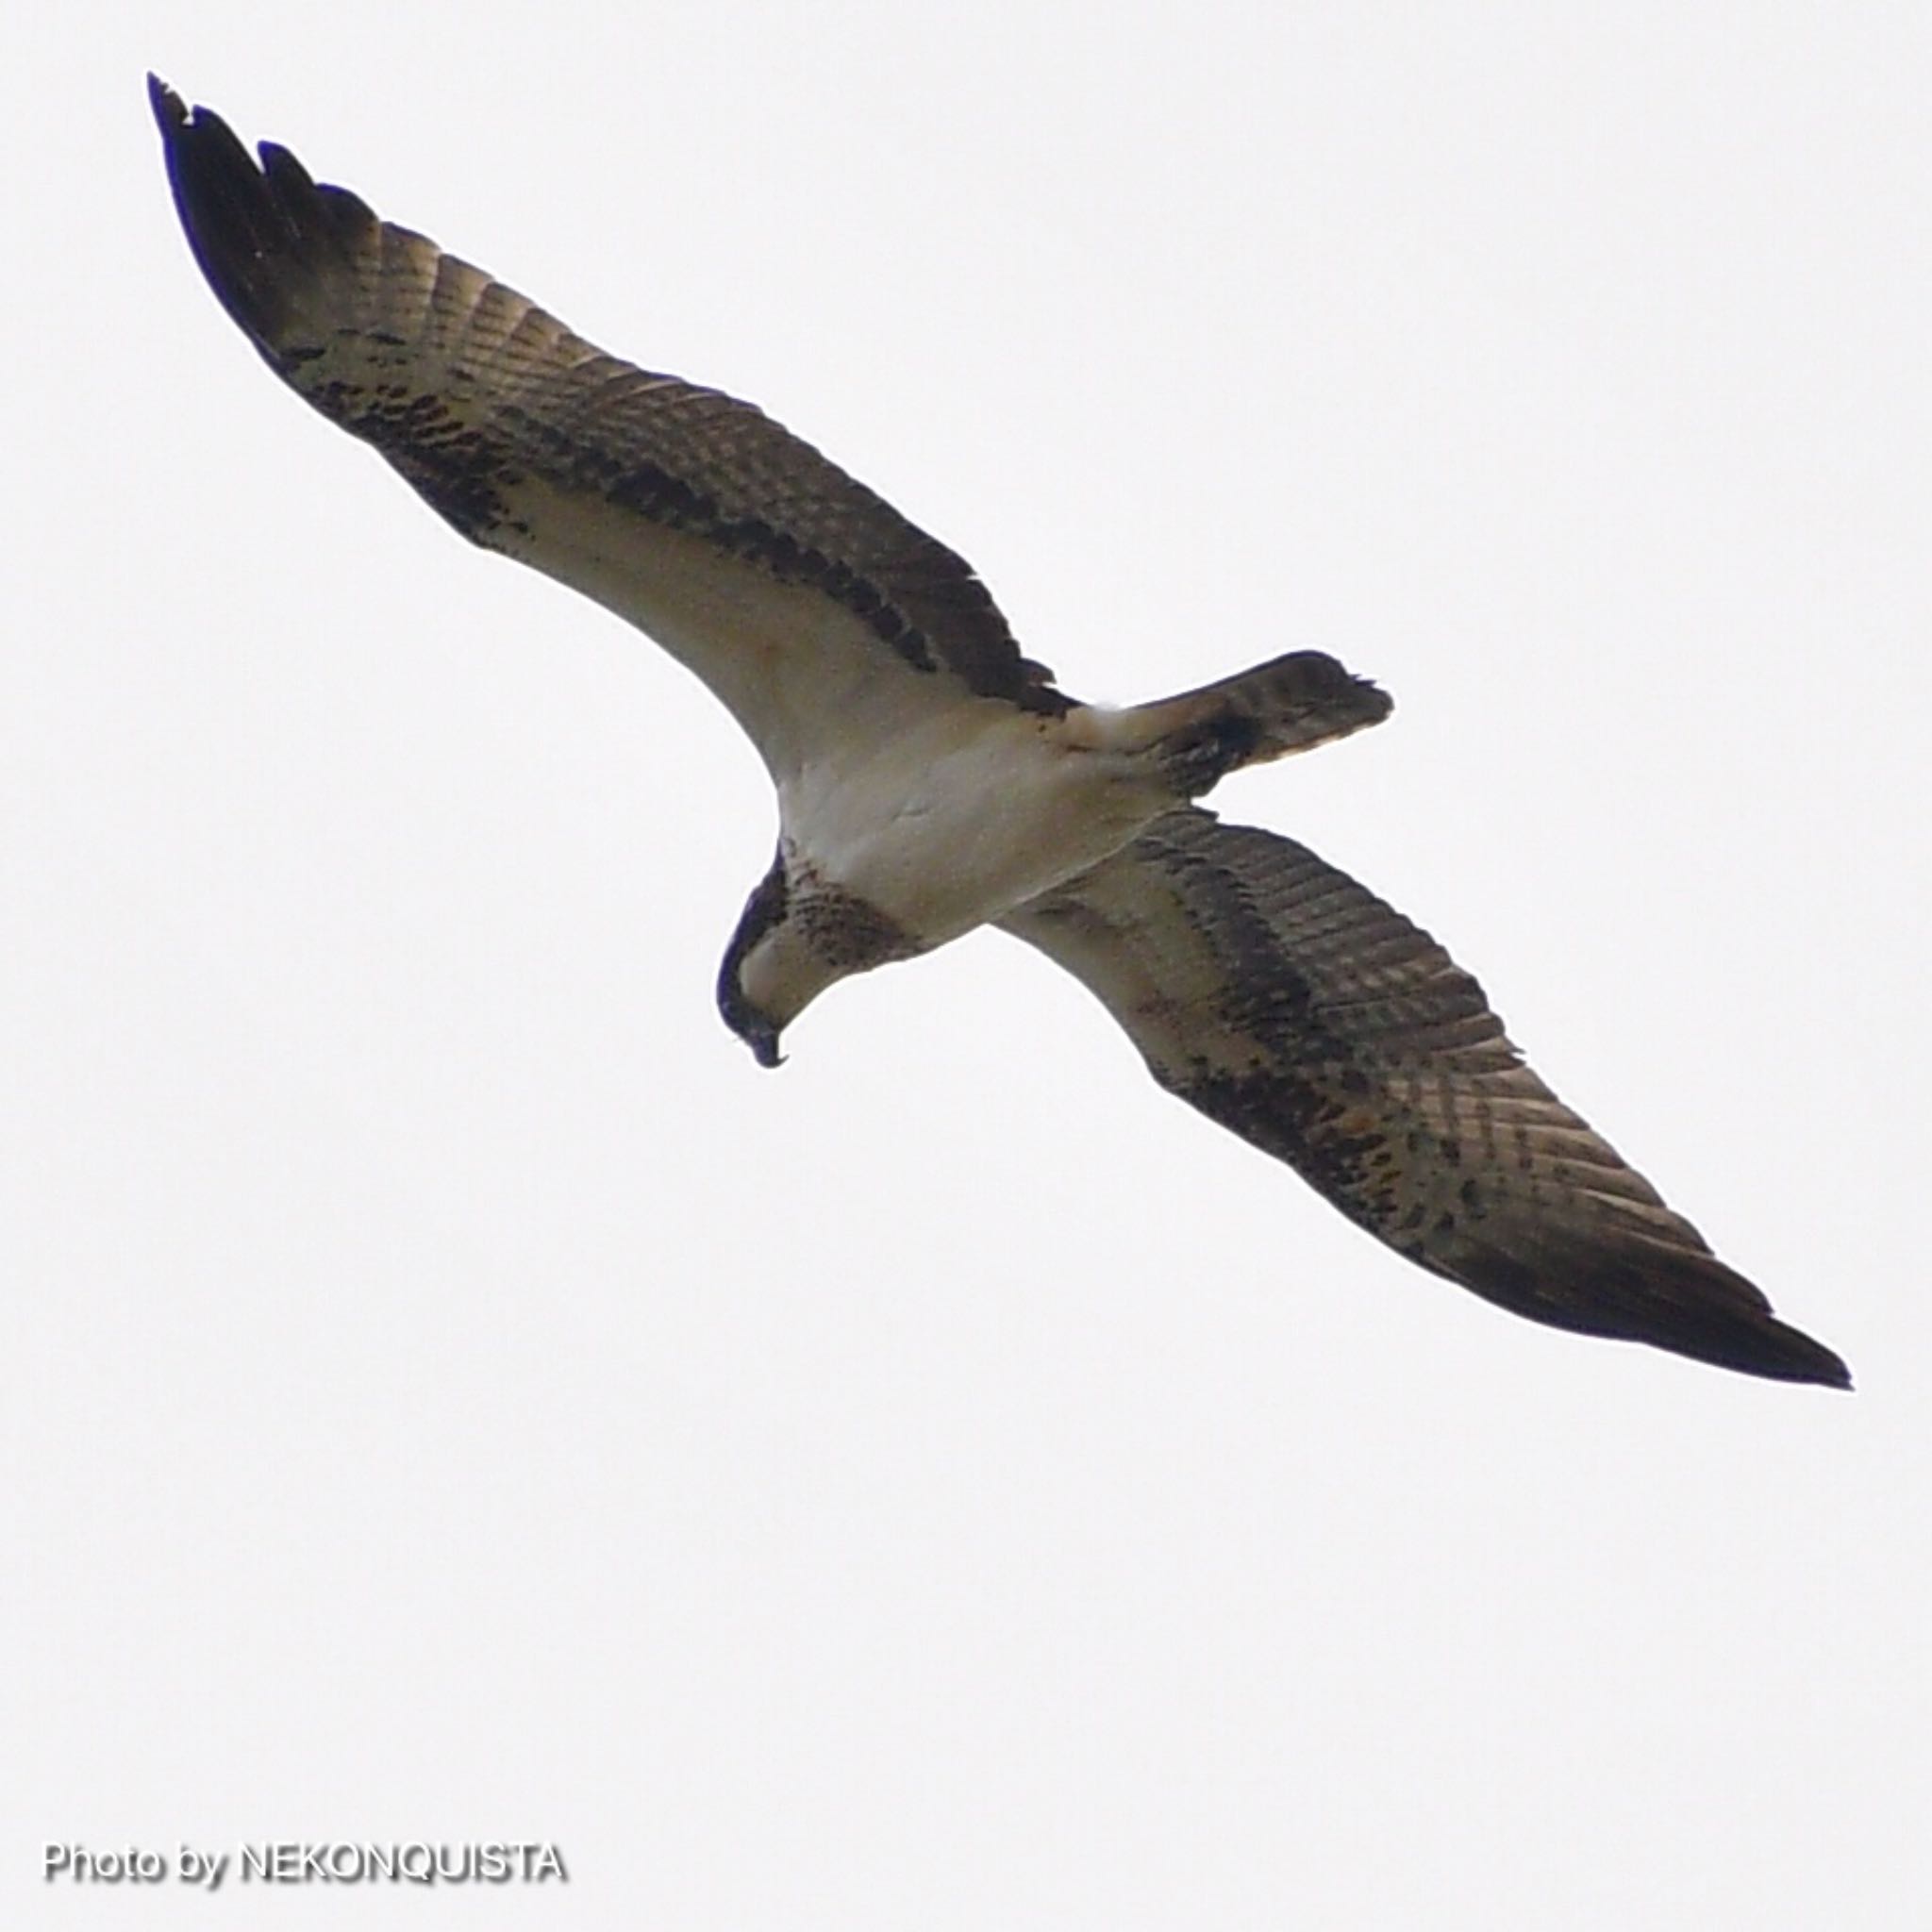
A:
(952, 825)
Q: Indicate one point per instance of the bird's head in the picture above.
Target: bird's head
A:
(797, 937)
(768, 976)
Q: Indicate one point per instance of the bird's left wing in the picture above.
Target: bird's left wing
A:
(1284, 1001)
(808, 605)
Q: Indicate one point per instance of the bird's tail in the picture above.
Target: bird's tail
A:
(1288, 704)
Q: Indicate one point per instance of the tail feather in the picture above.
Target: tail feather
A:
(1288, 704)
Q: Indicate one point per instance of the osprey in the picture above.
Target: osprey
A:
(932, 779)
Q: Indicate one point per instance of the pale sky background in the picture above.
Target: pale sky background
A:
(449, 1392)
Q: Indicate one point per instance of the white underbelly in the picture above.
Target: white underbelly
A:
(955, 823)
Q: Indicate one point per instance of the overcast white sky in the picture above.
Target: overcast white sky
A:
(448, 1393)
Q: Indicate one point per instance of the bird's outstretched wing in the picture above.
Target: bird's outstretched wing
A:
(807, 603)
(1283, 1000)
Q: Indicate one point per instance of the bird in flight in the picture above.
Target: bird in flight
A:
(932, 779)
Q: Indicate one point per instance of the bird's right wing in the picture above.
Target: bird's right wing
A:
(1273, 993)
(817, 612)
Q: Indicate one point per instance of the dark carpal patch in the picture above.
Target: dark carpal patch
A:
(1307, 1101)
(1334, 1143)
(461, 473)
(1261, 995)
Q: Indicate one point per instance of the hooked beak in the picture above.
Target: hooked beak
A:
(762, 1037)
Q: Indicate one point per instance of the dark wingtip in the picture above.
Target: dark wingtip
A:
(179, 122)
(1687, 1303)
(170, 110)
(1710, 1312)
(1747, 1344)
(219, 197)
(262, 231)
(1788, 1355)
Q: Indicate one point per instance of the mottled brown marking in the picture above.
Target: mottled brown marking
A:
(1331, 1033)
(847, 932)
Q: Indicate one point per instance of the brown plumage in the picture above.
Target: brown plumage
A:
(932, 778)
(1287, 1003)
